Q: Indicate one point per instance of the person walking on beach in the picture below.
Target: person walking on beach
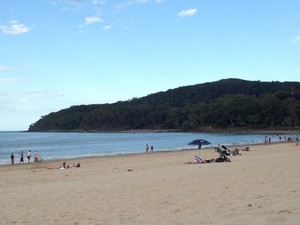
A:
(12, 158)
(28, 155)
(266, 140)
(21, 157)
(36, 156)
(147, 148)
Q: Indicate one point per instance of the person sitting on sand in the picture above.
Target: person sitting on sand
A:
(245, 149)
(76, 165)
(65, 166)
(236, 151)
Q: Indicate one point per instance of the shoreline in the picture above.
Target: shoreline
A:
(112, 156)
(121, 149)
(70, 158)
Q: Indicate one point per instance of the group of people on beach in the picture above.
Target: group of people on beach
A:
(147, 148)
(21, 154)
(65, 166)
(268, 140)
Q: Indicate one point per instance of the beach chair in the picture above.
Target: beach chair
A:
(222, 157)
(197, 159)
(226, 150)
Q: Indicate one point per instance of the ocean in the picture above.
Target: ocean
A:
(50, 145)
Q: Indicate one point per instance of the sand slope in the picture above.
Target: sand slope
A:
(258, 187)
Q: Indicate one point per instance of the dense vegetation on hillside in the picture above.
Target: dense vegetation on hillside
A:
(229, 103)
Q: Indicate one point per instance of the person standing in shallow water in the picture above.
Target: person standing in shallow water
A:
(12, 158)
(147, 148)
(21, 157)
(36, 156)
(28, 156)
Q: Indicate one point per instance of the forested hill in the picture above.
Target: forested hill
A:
(228, 103)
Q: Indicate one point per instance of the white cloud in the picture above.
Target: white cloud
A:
(189, 12)
(98, 2)
(107, 28)
(8, 80)
(76, 2)
(295, 41)
(33, 95)
(25, 96)
(92, 19)
(132, 2)
(15, 28)
(6, 69)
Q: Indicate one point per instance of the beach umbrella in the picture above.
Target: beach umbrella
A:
(199, 142)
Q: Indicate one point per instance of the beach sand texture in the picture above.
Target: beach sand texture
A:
(258, 187)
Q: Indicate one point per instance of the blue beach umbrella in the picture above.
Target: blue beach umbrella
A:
(199, 142)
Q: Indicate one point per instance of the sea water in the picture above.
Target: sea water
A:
(51, 145)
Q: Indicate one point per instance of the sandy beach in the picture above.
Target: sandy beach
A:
(257, 187)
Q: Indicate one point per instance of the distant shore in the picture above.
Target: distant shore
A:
(204, 130)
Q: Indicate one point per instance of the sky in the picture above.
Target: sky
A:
(58, 53)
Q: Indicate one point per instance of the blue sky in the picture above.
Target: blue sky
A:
(59, 53)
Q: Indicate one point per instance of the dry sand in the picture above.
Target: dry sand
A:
(258, 187)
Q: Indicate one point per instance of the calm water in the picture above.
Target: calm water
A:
(69, 145)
